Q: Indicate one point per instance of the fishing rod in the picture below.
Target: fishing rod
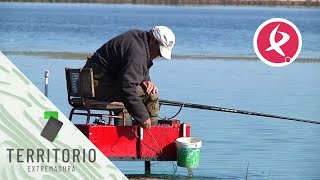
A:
(229, 110)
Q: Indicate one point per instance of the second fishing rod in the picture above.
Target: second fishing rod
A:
(230, 110)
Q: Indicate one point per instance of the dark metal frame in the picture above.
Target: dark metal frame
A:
(85, 77)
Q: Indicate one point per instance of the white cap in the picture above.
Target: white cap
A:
(166, 39)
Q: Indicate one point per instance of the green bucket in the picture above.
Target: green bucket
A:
(188, 152)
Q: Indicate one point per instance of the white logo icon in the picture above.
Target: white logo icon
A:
(277, 46)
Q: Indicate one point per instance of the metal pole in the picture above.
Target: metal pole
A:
(46, 77)
(147, 168)
(190, 173)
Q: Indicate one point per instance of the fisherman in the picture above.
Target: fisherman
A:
(121, 71)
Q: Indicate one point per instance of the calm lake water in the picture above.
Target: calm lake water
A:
(43, 36)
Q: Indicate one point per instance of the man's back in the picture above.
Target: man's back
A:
(115, 54)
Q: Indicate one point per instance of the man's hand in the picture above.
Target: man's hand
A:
(147, 124)
(150, 87)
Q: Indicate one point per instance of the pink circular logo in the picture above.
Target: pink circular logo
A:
(277, 42)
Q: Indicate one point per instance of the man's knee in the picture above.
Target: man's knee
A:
(154, 97)
(152, 100)
(152, 104)
(153, 108)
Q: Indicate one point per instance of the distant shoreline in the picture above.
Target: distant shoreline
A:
(83, 56)
(288, 3)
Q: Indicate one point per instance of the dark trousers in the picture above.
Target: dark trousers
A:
(108, 89)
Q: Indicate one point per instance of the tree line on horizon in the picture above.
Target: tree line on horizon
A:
(188, 2)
